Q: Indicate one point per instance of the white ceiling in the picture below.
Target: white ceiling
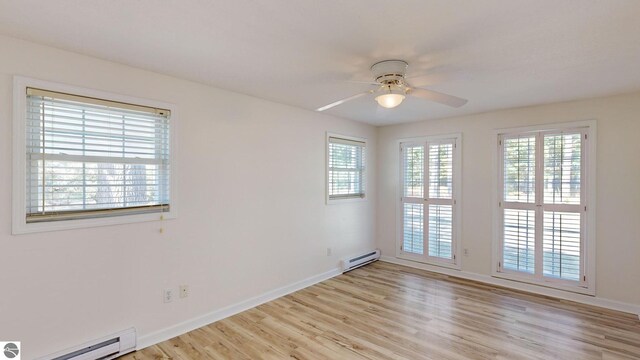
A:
(496, 53)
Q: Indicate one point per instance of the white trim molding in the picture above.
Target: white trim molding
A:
(510, 284)
(206, 319)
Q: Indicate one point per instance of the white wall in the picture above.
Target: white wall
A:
(618, 184)
(252, 214)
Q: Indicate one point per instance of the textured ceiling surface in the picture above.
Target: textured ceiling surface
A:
(495, 53)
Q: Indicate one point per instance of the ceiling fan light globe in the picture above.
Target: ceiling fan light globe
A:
(389, 100)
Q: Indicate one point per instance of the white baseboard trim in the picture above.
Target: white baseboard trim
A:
(206, 319)
(565, 295)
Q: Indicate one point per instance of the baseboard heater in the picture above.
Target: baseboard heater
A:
(106, 348)
(351, 263)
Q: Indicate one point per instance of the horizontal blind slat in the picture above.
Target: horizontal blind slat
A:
(97, 159)
(62, 116)
(90, 134)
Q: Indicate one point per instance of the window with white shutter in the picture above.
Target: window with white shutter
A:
(428, 210)
(542, 206)
(90, 158)
(345, 167)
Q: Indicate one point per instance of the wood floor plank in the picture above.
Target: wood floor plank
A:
(387, 311)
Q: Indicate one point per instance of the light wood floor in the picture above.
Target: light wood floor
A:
(385, 311)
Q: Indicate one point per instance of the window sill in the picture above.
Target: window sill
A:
(549, 283)
(21, 227)
(346, 200)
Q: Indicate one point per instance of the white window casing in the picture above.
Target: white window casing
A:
(545, 204)
(86, 158)
(429, 200)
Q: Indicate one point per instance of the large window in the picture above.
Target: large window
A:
(345, 168)
(428, 206)
(542, 206)
(88, 158)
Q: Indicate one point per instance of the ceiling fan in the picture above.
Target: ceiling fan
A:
(392, 88)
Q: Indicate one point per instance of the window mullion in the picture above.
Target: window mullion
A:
(44, 152)
(452, 200)
(425, 202)
(361, 157)
(539, 198)
(84, 165)
(583, 206)
(501, 198)
(124, 166)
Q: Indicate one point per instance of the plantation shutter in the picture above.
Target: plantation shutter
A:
(440, 199)
(413, 198)
(543, 204)
(427, 202)
(563, 205)
(346, 168)
(91, 157)
(519, 203)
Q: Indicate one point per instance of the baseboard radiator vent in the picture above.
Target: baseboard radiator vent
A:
(351, 263)
(109, 347)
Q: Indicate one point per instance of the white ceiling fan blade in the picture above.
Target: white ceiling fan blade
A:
(342, 101)
(437, 97)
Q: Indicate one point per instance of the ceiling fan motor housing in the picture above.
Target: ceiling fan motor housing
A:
(389, 71)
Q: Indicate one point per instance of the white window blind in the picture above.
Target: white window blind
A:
(543, 205)
(428, 200)
(346, 166)
(91, 157)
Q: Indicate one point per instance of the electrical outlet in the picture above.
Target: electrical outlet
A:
(328, 251)
(184, 291)
(466, 252)
(167, 295)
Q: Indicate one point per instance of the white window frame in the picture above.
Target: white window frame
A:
(456, 261)
(334, 201)
(19, 222)
(588, 186)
